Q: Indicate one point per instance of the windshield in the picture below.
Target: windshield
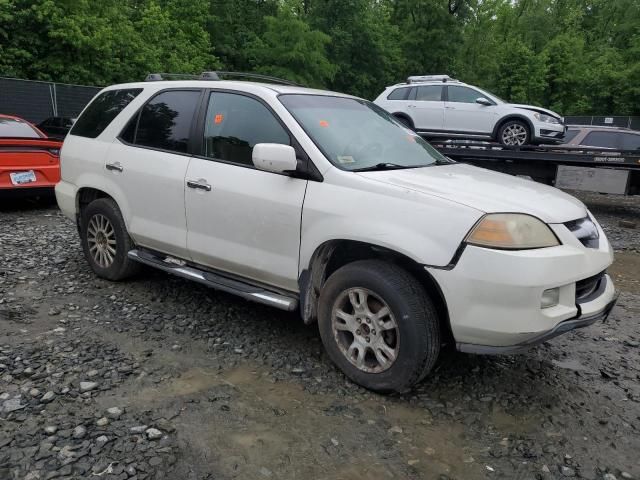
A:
(358, 135)
(11, 127)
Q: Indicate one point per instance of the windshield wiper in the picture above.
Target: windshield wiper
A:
(385, 166)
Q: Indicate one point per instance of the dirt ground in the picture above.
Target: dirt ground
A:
(158, 377)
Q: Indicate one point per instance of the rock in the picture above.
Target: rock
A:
(609, 476)
(567, 471)
(102, 439)
(395, 429)
(102, 422)
(92, 373)
(153, 433)
(50, 429)
(627, 224)
(114, 412)
(138, 429)
(48, 397)
(265, 472)
(79, 432)
(12, 405)
(34, 392)
(626, 475)
(155, 461)
(87, 386)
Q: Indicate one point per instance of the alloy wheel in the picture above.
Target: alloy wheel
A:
(102, 240)
(365, 330)
(514, 134)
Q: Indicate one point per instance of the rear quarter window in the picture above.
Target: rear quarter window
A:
(399, 94)
(102, 110)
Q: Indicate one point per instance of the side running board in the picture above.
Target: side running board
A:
(213, 280)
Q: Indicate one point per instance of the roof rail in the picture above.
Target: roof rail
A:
(216, 75)
(430, 78)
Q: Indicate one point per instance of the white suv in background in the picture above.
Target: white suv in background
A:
(321, 202)
(439, 106)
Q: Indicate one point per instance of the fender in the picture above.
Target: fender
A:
(513, 116)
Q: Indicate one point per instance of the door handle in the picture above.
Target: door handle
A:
(411, 106)
(117, 166)
(200, 184)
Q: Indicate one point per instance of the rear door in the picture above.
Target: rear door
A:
(426, 107)
(148, 164)
(239, 219)
(464, 115)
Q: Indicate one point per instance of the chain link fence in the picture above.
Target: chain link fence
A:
(35, 101)
(607, 121)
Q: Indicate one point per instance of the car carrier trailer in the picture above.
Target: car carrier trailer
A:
(573, 168)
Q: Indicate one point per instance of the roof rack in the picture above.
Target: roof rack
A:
(216, 75)
(430, 78)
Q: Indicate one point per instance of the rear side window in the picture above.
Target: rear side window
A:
(235, 124)
(165, 121)
(102, 110)
(602, 139)
(399, 94)
(10, 127)
(429, 93)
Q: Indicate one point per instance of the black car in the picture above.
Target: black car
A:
(56, 127)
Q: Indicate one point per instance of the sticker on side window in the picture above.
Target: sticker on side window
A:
(345, 159)
(218, 118)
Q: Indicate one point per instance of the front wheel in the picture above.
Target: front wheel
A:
(514, 133)
(378, 325)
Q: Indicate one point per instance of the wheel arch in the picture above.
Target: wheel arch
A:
(406, 117)
(514, 116)
(333, 254)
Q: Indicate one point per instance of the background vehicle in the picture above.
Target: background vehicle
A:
(617, 138)
(56, 127)
(439, 106)
(29, 161)
(320, 201)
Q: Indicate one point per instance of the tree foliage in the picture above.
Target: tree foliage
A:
(574, 56)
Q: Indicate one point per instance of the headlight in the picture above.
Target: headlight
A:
(546, 118)
(513, 231)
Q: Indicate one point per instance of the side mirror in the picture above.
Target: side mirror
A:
(484, 101)
(274, 157)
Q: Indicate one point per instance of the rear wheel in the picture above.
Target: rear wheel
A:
(514, 133)
(105, 240)
(378, 325)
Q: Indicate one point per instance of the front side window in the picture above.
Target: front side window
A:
(102, 110)
(463, 94)
(602, 139)
(235, 124)
(429, 93)
(12, 127)
(165, 122)
(355, 134)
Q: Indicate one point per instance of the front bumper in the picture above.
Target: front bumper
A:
(493, 297)
(549, 132)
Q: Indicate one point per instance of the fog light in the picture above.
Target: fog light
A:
(550, 298)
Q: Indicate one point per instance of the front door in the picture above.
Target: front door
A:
(239, 219)
(463, 114)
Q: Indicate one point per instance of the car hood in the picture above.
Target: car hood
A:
(485, 190)
(535, 109)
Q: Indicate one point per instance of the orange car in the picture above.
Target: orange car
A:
(29, 161)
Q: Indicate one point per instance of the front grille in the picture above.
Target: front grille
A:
(587, 287)
(585, 231)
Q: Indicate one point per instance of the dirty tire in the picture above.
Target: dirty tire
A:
(122, 266)
(415, 314)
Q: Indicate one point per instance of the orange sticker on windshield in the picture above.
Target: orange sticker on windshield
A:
(219, 118)
(324, 123)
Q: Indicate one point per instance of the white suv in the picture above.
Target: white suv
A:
(438, 106)
(321, 202)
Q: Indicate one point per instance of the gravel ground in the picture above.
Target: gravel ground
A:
(161, 378)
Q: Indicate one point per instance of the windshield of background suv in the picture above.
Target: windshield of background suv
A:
(355, 134)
